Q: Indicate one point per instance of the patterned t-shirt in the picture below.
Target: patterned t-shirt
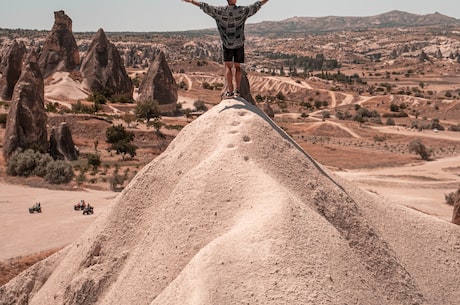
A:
(230, 21)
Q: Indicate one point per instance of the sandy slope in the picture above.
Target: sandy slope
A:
(234, 212)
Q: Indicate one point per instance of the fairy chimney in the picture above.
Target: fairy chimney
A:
(103, 69)
(10, 68)
(456, 212)
(61, 143)
(159, 85)
(60, 52)
(245, 89)
(26, 122)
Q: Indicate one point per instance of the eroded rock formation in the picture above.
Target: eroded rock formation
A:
(26, 123)
(61, 143)
(456, 213)
(103, 69)
(60, 52)
(245, 89)
(159, 85)
(10, 68)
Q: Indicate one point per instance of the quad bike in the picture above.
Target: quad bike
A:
(88, 210)
(80, 206)
(36, 208)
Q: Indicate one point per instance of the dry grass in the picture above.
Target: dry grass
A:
(12, 267)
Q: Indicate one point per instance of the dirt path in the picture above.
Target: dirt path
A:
(22, 233)
(446, 135)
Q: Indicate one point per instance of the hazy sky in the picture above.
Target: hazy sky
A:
(175, 15)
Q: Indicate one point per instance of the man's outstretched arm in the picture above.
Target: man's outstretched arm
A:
(197, 3)
(263, 1)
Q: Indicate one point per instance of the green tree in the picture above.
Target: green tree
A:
(419, 148)
(120, 140)
(94, 160)
(200, 105)
(147, 110)
(157, 124)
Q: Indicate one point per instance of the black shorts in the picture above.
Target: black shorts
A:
(235, 55)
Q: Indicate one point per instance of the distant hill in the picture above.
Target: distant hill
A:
(334, 23)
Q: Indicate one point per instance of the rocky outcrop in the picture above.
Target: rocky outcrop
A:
(236, 210)
(423, 57)
(103, 69)
(456, 213)
(60, 52)
(245, 88)
(159, 85)
(26, 123)
(61, 143)
(10, 68)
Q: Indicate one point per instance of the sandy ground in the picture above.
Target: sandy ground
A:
(420, 186)
(22, 233)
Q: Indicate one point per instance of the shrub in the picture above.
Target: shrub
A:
(3, 118)
(390, 122)
(394, 108)
(420, 149)
(450, 198)
(200, 105)
(27, 163)
(94, 160)
(59, 172)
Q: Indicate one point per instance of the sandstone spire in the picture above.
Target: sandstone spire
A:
(26, 123)
(60, 52)
(10, 68)
(61, 143)
(245, 89)
(102, 68)
(160, 85)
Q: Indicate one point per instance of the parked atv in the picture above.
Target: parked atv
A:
(80, 206)
(88, 210)
(36, 208)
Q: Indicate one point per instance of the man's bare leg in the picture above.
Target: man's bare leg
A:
(238, 76)
(229, 75)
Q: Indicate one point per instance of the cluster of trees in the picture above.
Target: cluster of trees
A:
(307, 63)
(120, 141)
(341, 78)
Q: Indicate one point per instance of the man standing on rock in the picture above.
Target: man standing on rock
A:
(230, 21)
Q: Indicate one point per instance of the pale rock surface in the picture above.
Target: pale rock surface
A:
(235, 212)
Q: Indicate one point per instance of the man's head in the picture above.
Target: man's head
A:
(231, 2)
